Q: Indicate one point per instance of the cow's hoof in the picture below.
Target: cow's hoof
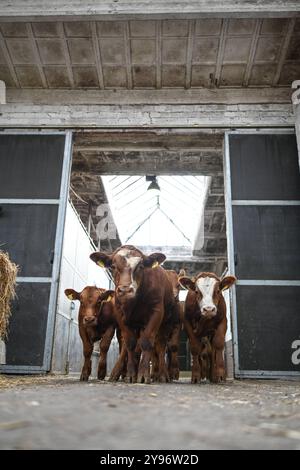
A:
(101, 373)
(195, 379)
(174, 374)
(113, 379)
(218, 380)
(130, 379)
(84, 378)
(155, 378)
(142, 379)
(163, 379)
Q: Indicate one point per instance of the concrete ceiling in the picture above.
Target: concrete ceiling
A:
(135, 54)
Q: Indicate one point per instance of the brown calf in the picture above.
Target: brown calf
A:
(145, 309)
(205, 317)
(96, 321)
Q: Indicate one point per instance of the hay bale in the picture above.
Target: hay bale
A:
(8, 274)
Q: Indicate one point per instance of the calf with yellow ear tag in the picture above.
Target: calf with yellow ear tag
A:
(205, 316)
(96, 322)
(145, 308)
(72, 294)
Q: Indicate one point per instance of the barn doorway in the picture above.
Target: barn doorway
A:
(182, 215)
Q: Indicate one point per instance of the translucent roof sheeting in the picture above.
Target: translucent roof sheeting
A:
(150, 218)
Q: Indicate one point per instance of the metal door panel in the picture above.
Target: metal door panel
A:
(267, 242)
(35, 168)
(264, 167)
(31, 166)
(268, 323)
(27, 232)
(262, 183)
(28, 325)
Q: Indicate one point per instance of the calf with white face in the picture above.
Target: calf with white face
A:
(205, 316)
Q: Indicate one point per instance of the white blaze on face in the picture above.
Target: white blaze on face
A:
(206, 286)
(132, 262)
(124, 252)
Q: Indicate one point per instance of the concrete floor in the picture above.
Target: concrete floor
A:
(61, 413)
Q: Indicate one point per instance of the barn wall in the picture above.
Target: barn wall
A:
(77, 271)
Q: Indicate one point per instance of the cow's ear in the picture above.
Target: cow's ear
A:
(153, 260)
(107, 296)
(182, 273)
(187, 283)
(227, 282)
(101, 259)
(72, 294)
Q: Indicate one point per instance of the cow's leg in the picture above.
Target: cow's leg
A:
(147, 346)
(130, 343)
(147, 341)
(154, 365)
(119, 366)
(205, 358)
(87, 353)
(163, 374)
(173, 345)
(119, 338)
(218, 373)
(104, 347)
(195, 352)
(120, 341)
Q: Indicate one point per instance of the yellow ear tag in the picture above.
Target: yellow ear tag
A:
(101, 264)
(108, 298)
(70, 296)
(155, 264)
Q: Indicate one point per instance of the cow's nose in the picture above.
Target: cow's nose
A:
(209, 310)
(121, 290)
(89, 319)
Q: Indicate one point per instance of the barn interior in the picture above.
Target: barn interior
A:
(178, 159)
(150, 93)
(184, 217)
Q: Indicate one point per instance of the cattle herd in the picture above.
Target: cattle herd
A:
(145, 313)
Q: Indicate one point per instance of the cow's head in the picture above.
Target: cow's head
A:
(90, 299)
(208, 288)
(127, 264)
(174, 278)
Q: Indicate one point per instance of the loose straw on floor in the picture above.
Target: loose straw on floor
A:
(8, 275)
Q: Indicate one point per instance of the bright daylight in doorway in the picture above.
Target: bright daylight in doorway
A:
(162, 211)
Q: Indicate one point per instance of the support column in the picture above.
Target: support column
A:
(296, 106)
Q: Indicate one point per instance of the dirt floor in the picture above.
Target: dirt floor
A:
(61, 413)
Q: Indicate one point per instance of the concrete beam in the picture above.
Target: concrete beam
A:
(109, 97)
(197, 164)
(73, 10)
(129, 116)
